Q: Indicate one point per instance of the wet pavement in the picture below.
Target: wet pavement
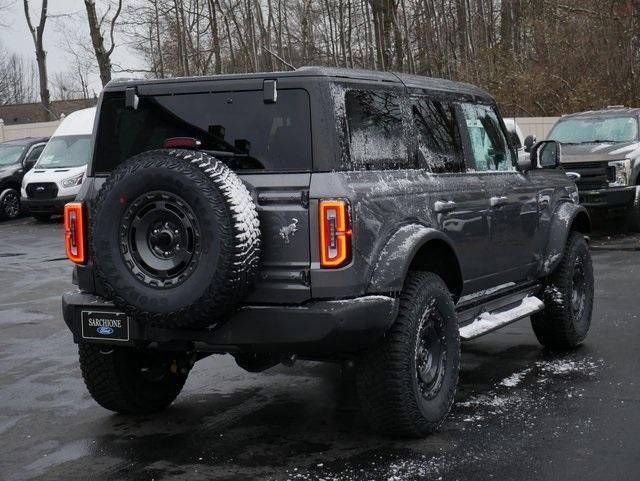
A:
(521, 412)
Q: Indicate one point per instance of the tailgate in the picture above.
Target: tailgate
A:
(282, 201)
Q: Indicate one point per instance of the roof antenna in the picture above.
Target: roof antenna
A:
(279, 58)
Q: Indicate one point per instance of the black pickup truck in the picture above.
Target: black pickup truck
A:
(327, 214)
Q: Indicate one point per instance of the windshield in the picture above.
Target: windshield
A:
(10, 154)
(595, 129)
(66, 151)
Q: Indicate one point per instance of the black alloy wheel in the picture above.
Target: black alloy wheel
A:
(160, 239)
(431, 354)
(11, 204)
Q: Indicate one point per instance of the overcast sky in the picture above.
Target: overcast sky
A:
(65, 16)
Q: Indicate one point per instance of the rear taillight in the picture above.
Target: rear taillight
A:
(335, 233)
(74, 232)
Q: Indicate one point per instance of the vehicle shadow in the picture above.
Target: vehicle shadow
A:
(307, 419)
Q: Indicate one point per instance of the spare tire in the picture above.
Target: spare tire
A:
(175, 238)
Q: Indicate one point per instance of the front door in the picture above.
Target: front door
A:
(514, 213)
(458, 200)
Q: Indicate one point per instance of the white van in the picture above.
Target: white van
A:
(519, 142)
(57, 176)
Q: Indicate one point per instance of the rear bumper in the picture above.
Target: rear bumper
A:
(46, 206)
(612, 198)
(315, 328)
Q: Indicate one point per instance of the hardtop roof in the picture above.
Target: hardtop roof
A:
(330, 73)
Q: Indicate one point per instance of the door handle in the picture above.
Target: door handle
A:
(498, 201)
(441, 207)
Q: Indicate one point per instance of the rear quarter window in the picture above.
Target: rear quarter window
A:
(263, 136)
(375, 129)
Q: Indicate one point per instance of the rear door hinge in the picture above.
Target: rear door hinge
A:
(304, 199)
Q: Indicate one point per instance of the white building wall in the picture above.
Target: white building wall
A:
(19, 131)
(538, 126)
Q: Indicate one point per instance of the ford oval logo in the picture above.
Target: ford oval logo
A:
(105, 330)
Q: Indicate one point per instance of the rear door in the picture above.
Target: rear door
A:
(514, 213)
(458, 200)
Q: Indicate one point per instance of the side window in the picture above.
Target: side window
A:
(438, 148)
(35, 152)
(489, 146)
(376, 132)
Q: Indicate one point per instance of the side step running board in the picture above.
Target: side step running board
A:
(490, 321)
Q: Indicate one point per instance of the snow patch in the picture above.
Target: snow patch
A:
(489, 321)
(550, 261)
(515, 378)
(564, 366)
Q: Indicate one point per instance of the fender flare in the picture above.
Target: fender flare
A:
(567, 217)
(396, 256)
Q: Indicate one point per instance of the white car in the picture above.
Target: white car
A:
(57, 176)
(522, 145)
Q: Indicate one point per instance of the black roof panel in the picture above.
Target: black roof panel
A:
(411, 81)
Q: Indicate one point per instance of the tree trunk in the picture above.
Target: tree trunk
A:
(37, 33)
(102, 56)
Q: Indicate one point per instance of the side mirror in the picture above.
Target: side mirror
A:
(546, 154)
(28, 164)
(528, 143)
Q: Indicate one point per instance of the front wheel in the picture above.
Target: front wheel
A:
(128, 380)
(633, 217)
(406, 383)
(9, 204)
(568, 298)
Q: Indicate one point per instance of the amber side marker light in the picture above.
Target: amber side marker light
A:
(74, 232)
(335, 233)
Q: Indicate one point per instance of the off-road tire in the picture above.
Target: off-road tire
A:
(387, 380)
(114, 381)
(558, 325)
(42, 217)
(9, 196)
(229, 238)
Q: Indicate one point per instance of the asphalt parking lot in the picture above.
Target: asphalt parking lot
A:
(521, 412)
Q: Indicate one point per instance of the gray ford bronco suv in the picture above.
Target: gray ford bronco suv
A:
(340, 215)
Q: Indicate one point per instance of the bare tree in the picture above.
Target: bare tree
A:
(37, 33)
(535, 56)
(103, 54)
(4, 6)
(17, 79)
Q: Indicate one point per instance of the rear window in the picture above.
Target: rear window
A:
(239, 127)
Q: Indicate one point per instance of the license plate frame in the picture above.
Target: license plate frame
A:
(104, 325)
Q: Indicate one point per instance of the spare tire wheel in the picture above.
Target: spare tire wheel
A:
(175, 238)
